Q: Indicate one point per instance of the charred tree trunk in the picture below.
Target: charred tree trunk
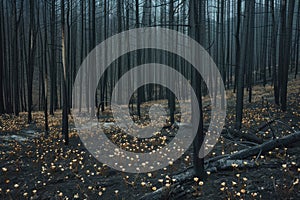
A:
(1, 62)
(46, 71)
(285, 49)
(239, 72)
(31, 58)
(65, 125)
(15, 59)
(274, 52)
(196, 29)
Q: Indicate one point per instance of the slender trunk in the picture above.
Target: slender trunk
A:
(196, 28)
(104, 81)
(171, 96)
(274, 52)
(81, 51)
(228, 46)
(93, 94)
(31, 58)
(46, 71)
(64, 88)
(251, 48)
(1, 63)
(120, 61)
(139, 91)
(68, 55)
(285, 49)
(265, 43)
(53, 78)
(15, 60)
(239, 72)
(297, 42)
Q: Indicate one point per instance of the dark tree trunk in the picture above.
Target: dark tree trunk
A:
(297, 42)
(45, 71)
(15, 59)
(274, 52)
(265, 43)
(140, 90)
(250, 48)
(237, 52)
(104, 81)
(53, 86)
(92, 39)
(171, 96)
(285, 49)
(31, 58)
(239, 72)
(81, 50)
(65, 125)
(1, 62)
(196, 29)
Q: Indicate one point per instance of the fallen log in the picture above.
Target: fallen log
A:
(251, 137)
(267, 146)
(226, 162)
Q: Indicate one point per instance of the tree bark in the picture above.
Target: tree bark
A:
(265, 43)
(92, 14)
(274, 52)
(31, 58)
(285, 49)
(239, 72)
(53, 73)
(65, 126)
(196, 29)
(46, 71)
(171, 96)
(1, 62)
(250, 48)
(15, 59)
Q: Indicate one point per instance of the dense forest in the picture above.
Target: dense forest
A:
(254, 45)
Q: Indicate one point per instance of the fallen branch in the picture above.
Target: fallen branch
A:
(251, 137)
(267, 146)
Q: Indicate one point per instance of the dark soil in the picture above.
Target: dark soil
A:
(42, 167)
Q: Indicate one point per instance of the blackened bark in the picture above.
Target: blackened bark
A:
(65, 125)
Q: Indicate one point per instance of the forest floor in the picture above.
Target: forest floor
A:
(33, 166)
